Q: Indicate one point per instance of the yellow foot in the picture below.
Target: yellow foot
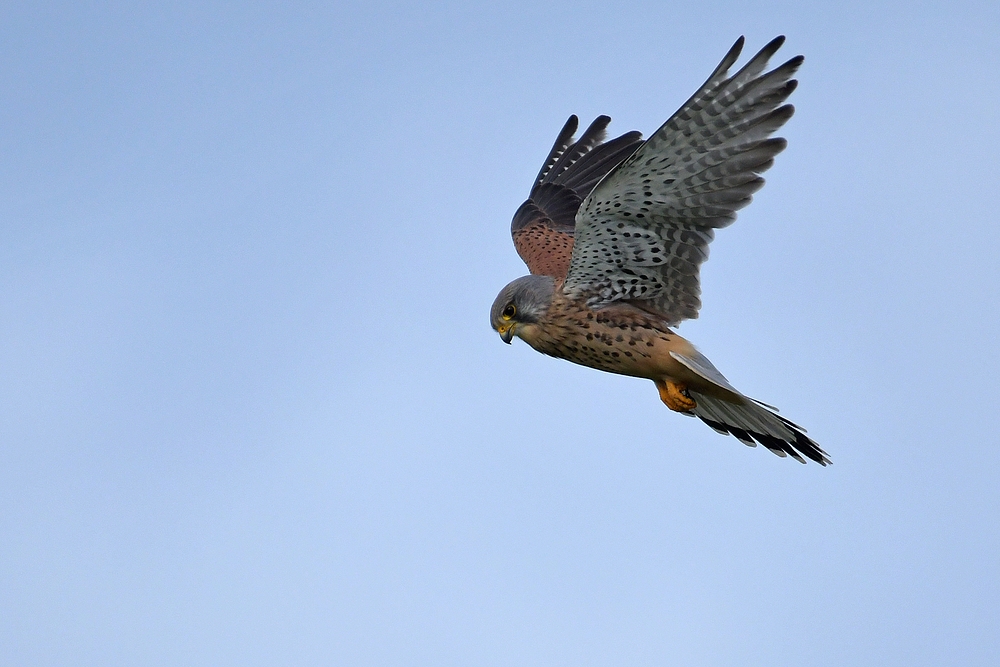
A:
(674, 396)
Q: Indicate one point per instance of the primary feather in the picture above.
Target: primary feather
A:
(643, 232)
(543, 226)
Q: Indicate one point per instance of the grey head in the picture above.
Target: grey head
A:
(522, 301)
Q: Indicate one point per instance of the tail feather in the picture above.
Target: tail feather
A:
(752, 422)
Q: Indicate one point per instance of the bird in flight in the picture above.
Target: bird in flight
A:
(614, 233)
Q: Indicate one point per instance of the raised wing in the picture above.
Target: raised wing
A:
(643, 232)
(543, 226)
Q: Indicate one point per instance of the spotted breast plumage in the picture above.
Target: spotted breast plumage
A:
(614, 233)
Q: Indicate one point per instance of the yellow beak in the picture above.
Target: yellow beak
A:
(506, 332)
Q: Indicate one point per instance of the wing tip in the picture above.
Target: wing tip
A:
(729, 59)
(774, 44)
(563, 141)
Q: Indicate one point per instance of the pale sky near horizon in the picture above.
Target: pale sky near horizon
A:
(254, 413)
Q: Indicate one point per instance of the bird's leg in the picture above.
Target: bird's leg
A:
(674, 396)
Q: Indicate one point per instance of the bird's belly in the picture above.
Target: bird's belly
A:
(626, 350)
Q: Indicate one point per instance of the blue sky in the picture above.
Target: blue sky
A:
(254, 413)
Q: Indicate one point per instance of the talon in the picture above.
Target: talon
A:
(674, 396)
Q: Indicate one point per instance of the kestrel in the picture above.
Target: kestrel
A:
(613, 234)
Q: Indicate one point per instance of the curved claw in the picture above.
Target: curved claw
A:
(674, 396)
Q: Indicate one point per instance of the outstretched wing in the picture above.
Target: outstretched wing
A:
(543, 226)
(643, 232)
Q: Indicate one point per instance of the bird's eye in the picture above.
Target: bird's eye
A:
(509, 311)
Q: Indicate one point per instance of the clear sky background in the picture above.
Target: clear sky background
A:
(253, 412)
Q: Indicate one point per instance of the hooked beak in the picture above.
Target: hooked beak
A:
(506, 332)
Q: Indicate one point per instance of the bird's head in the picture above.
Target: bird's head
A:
(521, 305)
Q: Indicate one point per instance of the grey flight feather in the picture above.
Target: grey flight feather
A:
(643, 232)
(571, 170)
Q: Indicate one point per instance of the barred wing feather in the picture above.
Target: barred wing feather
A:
(643, 232)
(542, 228)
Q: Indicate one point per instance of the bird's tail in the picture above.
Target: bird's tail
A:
(754, 421)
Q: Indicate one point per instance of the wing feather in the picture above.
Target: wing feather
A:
(543, 226)
(643, 232)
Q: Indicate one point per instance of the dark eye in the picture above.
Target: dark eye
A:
(509, 311)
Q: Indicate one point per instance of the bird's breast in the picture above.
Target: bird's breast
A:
(616, 340)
